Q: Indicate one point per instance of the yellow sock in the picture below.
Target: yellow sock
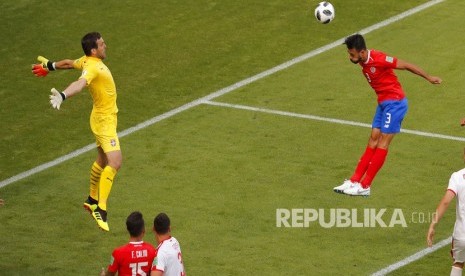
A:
(95, 173)
(106, 181)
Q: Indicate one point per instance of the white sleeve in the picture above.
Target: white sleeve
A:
(453, 183)
(160, 261)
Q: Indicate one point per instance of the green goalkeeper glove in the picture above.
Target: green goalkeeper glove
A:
(50, 65)
(57, 98)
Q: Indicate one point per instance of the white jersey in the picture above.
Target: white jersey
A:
(169, 258)
(457, 185)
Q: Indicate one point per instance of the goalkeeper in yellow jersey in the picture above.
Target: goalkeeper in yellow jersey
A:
(103, 120)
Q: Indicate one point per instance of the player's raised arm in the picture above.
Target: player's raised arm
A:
(45, 66)
(403, 65)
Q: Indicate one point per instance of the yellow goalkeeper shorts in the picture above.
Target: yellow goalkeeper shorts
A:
(104, 129)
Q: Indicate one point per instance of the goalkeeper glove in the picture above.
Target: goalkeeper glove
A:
(42, 69)
(57, 98)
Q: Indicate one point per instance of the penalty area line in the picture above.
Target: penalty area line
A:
(412, 258)
(330, 120)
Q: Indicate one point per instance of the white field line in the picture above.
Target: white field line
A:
(415, 257)
(216, 94)
(330, 120)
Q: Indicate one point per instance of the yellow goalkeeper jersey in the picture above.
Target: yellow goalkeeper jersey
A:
(100, 82)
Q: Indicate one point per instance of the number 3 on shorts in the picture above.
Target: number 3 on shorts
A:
(388, 120)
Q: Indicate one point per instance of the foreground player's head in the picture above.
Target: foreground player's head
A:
(93, 45)
(356, 48)
(162, 224)
(135, 224)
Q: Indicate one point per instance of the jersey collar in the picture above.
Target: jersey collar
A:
(368, 57)
(94, 58)
(138, 242)
(162, 241)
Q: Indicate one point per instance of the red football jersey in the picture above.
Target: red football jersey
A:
(378, 69)
(134, 258)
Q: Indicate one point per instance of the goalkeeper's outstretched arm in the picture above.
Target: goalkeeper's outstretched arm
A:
(45, 66)
(75, 87)
(64, 64)
(57, 97)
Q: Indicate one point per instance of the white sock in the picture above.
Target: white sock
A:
(456, 271)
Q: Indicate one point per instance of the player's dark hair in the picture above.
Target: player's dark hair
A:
(161, 224)
(135, 224)
(356, 42)
(89, 42)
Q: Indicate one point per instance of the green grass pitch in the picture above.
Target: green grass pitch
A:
(221, 172)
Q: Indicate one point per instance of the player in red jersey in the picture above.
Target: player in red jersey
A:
(378, 68)
(136, 257)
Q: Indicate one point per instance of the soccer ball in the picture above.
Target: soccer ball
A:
(324, 12)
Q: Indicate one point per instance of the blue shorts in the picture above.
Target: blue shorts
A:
(389, 115)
